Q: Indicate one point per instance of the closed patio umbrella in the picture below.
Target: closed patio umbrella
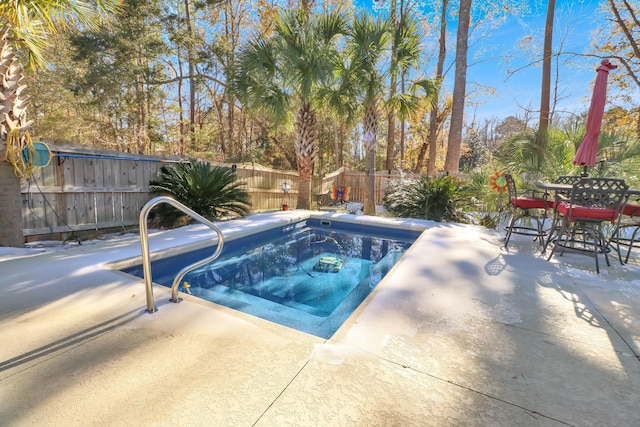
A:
(588, 149)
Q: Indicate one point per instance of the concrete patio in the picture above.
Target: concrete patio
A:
(460, 333)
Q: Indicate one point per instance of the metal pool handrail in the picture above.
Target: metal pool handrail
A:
(144, 243)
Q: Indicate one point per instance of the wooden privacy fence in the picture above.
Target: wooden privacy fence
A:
(84, 189)
(87, 189)
(357, 182)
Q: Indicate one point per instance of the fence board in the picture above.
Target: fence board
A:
(89, 189)
(104, 208)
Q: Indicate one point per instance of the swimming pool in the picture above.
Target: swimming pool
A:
(309, 275)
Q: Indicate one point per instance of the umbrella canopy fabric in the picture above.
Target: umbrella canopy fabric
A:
(588, 149)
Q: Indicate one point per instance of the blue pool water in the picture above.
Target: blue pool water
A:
(309, 276)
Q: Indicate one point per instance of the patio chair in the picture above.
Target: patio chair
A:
(525, 207)
(563, 179)
(627, 231)
(567, 179)
(579, 218)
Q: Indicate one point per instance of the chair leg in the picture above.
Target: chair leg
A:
(509, 229)
(619, 240)
(604, 244)
(568, 233)
(595, 254)
(632, 240)
(615, 237)
(558, 237)
(550, 236)
(539, 228)
(596, 246)
(516, 227)
(540, 236)
(512, 225)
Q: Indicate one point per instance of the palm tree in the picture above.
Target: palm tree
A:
(28, 25)
(368, 42)
(405, 53)
(283, 76)
(340, 101)
(406, 102)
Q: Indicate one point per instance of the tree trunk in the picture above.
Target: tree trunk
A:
(10, 207)
(306, 152)
(391, 114)
(370, 143)
(304, 192)
(391, 132)
(545, 90)
(403, 133)
(13, 125)
(421, 154)
(339, 137)
(433, 117)
(452, 161)
(192, 86)
(181, 142)
(370, 184)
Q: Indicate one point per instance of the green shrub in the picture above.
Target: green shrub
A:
(212, 192)
(434, 198)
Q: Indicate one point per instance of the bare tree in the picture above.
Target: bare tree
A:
(547, 56)
(452, 161)
(619, 40)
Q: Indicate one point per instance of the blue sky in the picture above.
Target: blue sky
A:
(495, 93)
(574, 24)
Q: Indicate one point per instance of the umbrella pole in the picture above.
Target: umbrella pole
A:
(584, 173)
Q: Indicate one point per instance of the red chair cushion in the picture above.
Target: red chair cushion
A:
(529, 203)
(586, 212)
(631, 210)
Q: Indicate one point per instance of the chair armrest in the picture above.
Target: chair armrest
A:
(534, 193)
(562, 198)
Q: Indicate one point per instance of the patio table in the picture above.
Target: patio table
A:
(566, 189)
(552, 186)
(580, 210)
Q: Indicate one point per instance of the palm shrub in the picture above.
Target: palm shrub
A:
(211, 191)
(491, 207)
(539, 159)
(437, 198)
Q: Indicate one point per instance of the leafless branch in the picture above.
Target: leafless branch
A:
(625, 28)
(620, 59)
(632, 13)
(178, 78)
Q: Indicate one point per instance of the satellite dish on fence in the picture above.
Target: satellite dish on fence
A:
(38, 155)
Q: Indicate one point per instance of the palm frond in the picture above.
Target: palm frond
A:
(33, 22)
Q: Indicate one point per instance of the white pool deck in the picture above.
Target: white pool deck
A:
(460, 333)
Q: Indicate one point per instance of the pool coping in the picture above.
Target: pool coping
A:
(231, 232)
